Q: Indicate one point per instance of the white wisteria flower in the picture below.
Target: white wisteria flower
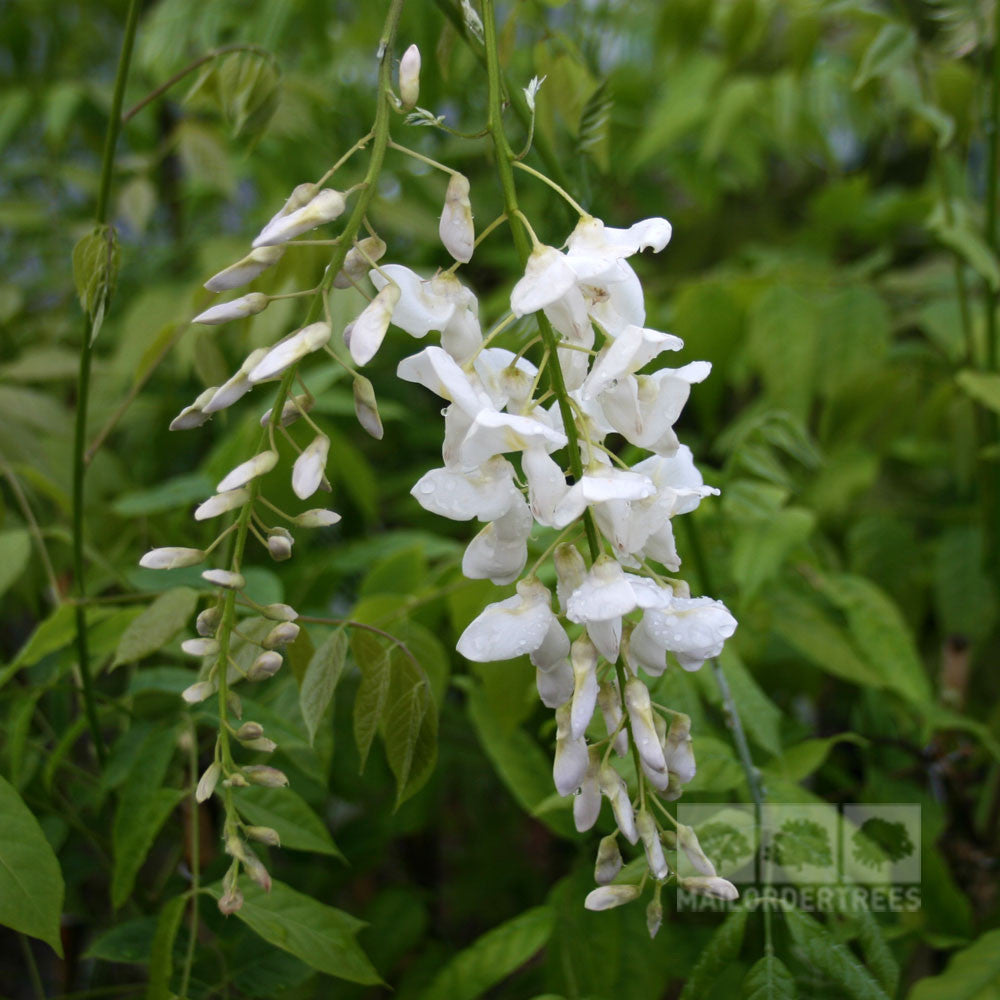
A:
(225, 312)
(221, 503)
(369, 329)
(693, 629)
(457, 230)
(171, 557)
(247, 471)
(485, 492)
(509, 628)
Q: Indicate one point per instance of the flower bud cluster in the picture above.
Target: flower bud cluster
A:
(616, 615)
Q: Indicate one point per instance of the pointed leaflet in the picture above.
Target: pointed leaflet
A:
(321, 936)
(835, 960)
(157, 625)
(287, 812)
(161, 959)
(31, 884)
(769, 979)
(143, 807)
(410, 728)
(718, 955)
(372, 658)
(320, 680)
(969, 974)
(492, 957)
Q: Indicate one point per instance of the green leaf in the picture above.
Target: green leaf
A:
(143, 807)
(717, 955)
(822, 950)
(167, 495)
(287, 812)
(878, 955)
(15, 548)
(157, 625)
(322, 936)
(760, 550)
(410, 726)
(31, 884)
(959, 235)
(769, 979)
(521, 764)
(969, 972)
(492, 957)
(54, 633)
(983, 387)
(879, 629)
(799, 761)
(96, 260)
(131, 941)
(161, 958)
(321, 678)
(890, 49)
(372, 658)
(810, 632)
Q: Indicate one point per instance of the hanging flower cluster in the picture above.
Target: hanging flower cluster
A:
(615, 616)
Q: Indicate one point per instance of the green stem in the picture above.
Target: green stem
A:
(991, 472)
(522, 241)
(33, 973)
(195, 847)
(83, 383)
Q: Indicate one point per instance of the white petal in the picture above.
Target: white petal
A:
(494, 433)
(244, 271)
(424, 304)
(290, 350)
(604, 595)
(607, 897)
(555, 686)
(547, 277)
(220, 503)
(583, 656)
(246, 305)
(500, 551)
(326, 206)
(435, 369)
(546, 484)
(249, 470)
(368, 330)
(509, 628)
(554, 648)
(171, 557)
(310, 466)
(486, 493)
(587, 805)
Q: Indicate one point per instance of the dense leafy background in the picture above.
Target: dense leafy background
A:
(824, 166)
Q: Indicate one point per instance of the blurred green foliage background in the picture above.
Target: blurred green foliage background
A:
(826, 168)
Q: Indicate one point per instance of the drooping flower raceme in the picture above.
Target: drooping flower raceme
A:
(617, 613)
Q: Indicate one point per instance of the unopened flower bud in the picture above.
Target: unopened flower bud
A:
(269, 777)
(609, 896)
(224, 312)
(207, 622)
(583, 656)
(609, 860)
(366, 407)
(646, 827)
(369, 328)
(250, 731)
(221, 503)
(244, 271)
(616, 791)
(707, 885)
(457, 230)
(290, 351)
(171, 557)
(266, 665)
(326, 206)
(310, 467)
(235, 780)
(640, 713)
(230, 902)
(261, 744)
(236, 387)
(281, 635)
(256, 872)
(263, 835)
(654, 916)
(409, 78)
(200, 647)
(294, 407)
(317, 518)
(279, 544)
(687, 841)
(194, 415)
(587, 804)
(249, 470)
(358, 260)
(198, 691)
(609, 701)
(570, 762)
(678, 751)
(208, 781)
(224, 578)
(279, 612)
